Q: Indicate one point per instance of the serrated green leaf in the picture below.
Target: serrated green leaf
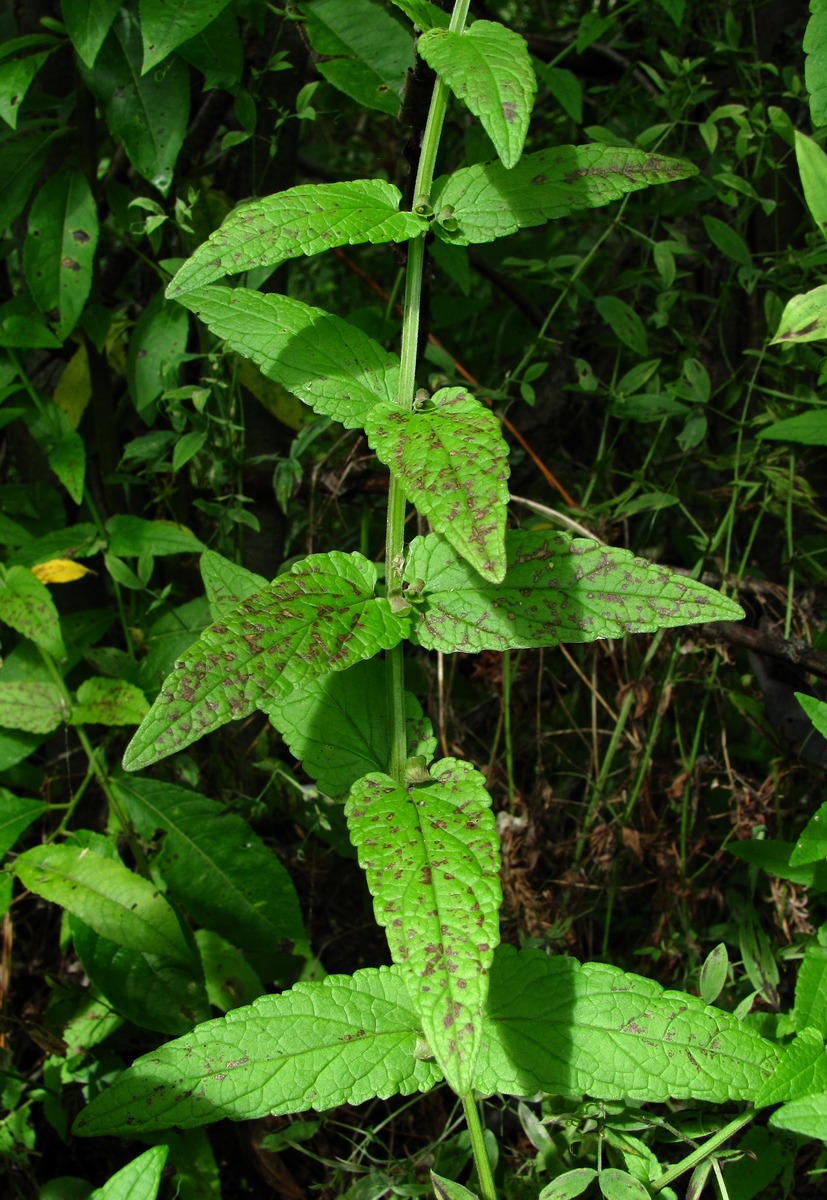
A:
(804, 319)
(59, 249)
(365, 53)
(87, 23)
(487, 201)
(16, 815)
(453, 465)
(338, 726)
(328, 363)
(801, 1071)
(26, 605)
(103, 701)
(321, 617)
(32, 707)
(815, 63)
(220, 871)
(346, 1039)
(556, 589)
(227, 583)
(147, 114)
(430, 852)
(301, 220)
(810, 1007)
(569, 1029)
(165, 24)
(132, 537)
(806, 1117)
(116, 903)
(138, 1180)
(423, 14)
(488, 67)
(147, 989)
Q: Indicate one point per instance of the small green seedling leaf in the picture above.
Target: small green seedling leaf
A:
(810, 1007)
(557, 1026)
(26, 605)
(556, 589)
(220, 870)
(319, 618)
(569, 1185)
(714, 973)
(453, 465)
(488, 67)
(487, 201)
(103, 701)
(32, 706)
(59, 249)
(227, 583)
(337, 727)
(116, 903)
(328, 363)
(166, 24)
(804, 319)
(138, 1180)
(446, 1189)
(431, 857)
(301, 220)
(345, 1040)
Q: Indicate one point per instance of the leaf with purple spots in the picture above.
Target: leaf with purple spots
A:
(556, 589)
(489, 68)
(452, 462)
(320, 617)
(431, 856)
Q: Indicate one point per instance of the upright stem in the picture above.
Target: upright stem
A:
(472, 1117)
(395, 533)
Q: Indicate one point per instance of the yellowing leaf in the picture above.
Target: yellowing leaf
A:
(74, 388)
(59, 570)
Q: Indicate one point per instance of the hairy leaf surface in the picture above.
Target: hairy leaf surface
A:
(319, 618)
(556, 589)
(431, 856)
(488, 67)
(556, 1026)
(487, 201)
(453, 465)
(220, 870)
(26, 605)
(348, 1038)
(108, 897)
(338, 726)
(328, 363)
(301, 220)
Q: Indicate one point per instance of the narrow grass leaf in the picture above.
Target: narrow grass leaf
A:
(337, 727)
(166, 24)
(488, 67)
(138, 1180)
(319, 618)
(328, 363)
(488, 201)
(431, 857)
(220, 871)
(572, 1030)
(342, 1041)
(301, 220)
(556, 589)
(108, 897)
(25, 605)
(452, 462)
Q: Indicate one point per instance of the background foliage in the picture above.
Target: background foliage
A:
(630, 351)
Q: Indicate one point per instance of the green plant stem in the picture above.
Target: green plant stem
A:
(395, 531)
(697, 1156)
(472, 1117)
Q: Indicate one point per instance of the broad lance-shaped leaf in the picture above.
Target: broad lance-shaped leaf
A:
(166, 24)
(345, 1040)
(556, 1026)
(452, 462)
(337, 727)
(556, 589)
(59, 249)
(111, 899)
(431, 856)
(329, 364)
(138, 1180)
(487, 201)
(489, 68)
(551, 1025)
(302, 220)
(321, 617)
